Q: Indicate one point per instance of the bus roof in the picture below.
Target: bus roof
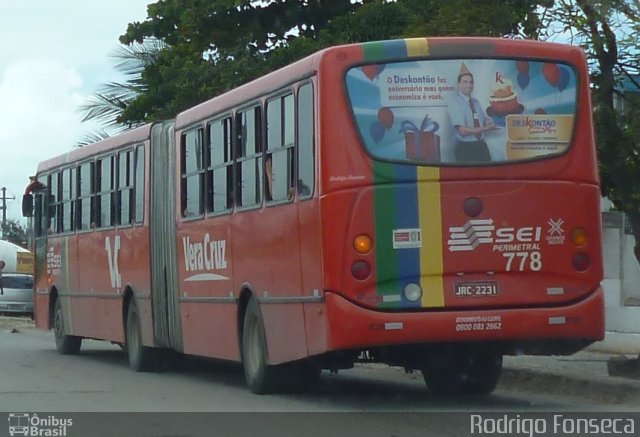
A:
(440, 47)
(252, 90)
(133, 136)
(306, 67)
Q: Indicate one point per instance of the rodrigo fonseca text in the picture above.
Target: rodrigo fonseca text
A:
(550, 424)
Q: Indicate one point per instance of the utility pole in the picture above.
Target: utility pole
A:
(4, 199)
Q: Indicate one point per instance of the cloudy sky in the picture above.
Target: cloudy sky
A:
(53, 56)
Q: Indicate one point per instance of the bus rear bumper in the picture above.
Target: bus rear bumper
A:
(564, 329)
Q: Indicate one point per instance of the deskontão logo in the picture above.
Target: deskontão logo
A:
(32, 425)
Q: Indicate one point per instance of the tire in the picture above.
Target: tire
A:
(65, 344)
(484, 373)
(141, 358)
(463, 372)
(259, 376)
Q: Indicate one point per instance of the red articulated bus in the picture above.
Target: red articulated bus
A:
(430, 203)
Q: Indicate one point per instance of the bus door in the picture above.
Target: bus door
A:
(41, 224)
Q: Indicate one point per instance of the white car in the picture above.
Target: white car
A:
(18, 293)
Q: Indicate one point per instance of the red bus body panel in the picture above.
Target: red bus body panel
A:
(297, 258)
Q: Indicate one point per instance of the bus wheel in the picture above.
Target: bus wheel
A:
(260, 377)
(463, 372)
(141, 358)
(65, 344)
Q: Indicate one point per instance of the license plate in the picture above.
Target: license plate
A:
(464, 289)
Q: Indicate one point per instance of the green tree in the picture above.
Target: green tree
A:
(608, 31)
(497, 18)
(213, 46)
(107, 105)
(15, 233)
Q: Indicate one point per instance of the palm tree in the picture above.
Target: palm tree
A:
(108, 103)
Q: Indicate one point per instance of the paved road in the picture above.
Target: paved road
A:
(34, 377)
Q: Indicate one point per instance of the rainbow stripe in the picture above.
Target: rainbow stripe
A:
(406, 197)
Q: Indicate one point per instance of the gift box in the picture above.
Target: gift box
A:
(421, 143)
(422, 146)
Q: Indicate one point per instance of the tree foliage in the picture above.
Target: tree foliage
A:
(108, 104)
(497, 18)
(15, 233)
(215, 45)
(211, 46)
(607, 30)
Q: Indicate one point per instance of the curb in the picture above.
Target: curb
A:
(16, 322)
(552, 384)
(587, 375)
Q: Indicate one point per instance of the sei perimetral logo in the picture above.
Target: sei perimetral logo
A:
(483, 231)
(33, 425)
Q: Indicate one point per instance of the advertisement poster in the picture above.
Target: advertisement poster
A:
(468, 111)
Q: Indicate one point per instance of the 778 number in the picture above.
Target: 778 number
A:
(519, 261)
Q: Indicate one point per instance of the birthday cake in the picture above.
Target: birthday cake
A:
(503, 100)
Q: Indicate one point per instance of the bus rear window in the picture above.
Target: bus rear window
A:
(463, 111)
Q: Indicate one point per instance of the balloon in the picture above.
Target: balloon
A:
(563, 80)
(523, 80)
(540, 111)
(523, 67)
(385, 117)
(371, 71)
(551, 72)
(377, 131)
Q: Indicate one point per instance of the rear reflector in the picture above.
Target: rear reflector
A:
(360, 270)
(581, 261)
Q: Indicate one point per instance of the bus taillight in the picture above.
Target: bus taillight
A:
(362, 244)
(360, 270)
(581, 261)
(579, 237)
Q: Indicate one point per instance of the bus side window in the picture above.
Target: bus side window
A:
(51, 225)
(85, 192)
(69, 189)
(306, 163)
(220, 171)
(279, 165)
(139, 184)
(54, 204)
(249, 158)
(192, 171)
(105, 183)
(125, 187)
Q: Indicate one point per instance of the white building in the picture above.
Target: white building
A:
(621, 286)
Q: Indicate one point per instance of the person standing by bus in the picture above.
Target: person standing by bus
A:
(469, 121)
